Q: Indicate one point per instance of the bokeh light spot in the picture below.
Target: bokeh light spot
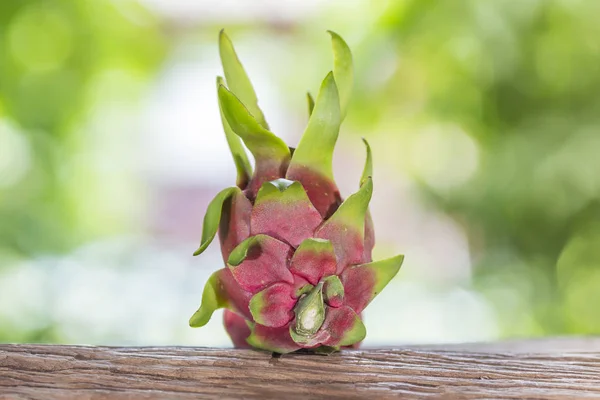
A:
(40, 38)
(444, 157)
(15, 155)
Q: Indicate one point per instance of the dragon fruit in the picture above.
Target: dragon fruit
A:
(298, 269)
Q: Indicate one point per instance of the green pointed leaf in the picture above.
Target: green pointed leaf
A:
(346, 228)
(343, 70)
(365, 281)
(384, 271)
(368, 169)
(369, 234)
(240, 158)
(211, 301)
(355, 334)
(213, 217)
(315, 150)
(237, 78)
(263, 144)
(352, 211)
(239, 254)
(311, 103)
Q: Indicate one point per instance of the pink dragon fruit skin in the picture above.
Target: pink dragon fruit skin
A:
(298, 269)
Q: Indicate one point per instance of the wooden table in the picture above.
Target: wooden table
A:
(551, 369)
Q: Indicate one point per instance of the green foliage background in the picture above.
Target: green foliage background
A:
(517, 79)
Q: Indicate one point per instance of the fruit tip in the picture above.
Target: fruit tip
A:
(367, 145)
(329, 80)
(193, 322)
(221, 87)
(202, 247)
(223, 37)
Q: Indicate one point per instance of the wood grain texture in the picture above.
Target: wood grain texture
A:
(546, 369)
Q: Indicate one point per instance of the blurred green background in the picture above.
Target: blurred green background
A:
(483, 116)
